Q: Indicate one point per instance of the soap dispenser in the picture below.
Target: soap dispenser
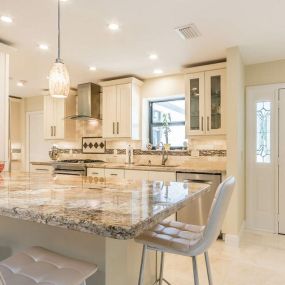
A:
(129, 154)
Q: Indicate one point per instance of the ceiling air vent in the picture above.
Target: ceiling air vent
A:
(188, 32)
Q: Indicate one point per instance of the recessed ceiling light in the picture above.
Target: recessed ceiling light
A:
(20, 83)
(6, 19)
(114, 27)
(92, 68)
(153, 56)
(158, 71)
(43, 46)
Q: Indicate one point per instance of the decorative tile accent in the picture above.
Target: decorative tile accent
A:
(121, 151)
(93, 145)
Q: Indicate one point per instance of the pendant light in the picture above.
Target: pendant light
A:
(59, 83)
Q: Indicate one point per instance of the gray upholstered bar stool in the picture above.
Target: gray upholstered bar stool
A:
(38, 266)
(188, 240)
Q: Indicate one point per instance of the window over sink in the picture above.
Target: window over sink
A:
(167, 122)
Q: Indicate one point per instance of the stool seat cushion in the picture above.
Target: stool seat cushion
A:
(38, 266)
(171, 236)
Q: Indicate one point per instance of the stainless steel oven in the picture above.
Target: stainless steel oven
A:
(197, 211)
(72, 167)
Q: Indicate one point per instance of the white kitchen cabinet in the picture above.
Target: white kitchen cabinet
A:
(56, 127)
(96, 172)
(205, 100)
(136, 174)
(162, 176)
(118, 173)
(121, 108)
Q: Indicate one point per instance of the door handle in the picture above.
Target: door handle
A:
(208, 123)
(118, 127)
(202, 124)
(114, 174)
(113, 128)
(51, 131)
(54, 131)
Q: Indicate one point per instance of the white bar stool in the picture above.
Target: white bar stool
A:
(188, 240)
(38, 266)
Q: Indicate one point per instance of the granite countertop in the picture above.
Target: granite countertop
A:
(115, 208)
(199, 166)
(50, 162)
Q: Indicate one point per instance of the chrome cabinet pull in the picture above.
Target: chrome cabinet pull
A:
(118, 128)
(114, 174)
(202, 123)
(51, 131)
(54, 131)
(208, 124)
(113, 128)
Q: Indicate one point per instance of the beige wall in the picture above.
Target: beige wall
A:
(265, 73)
(235, 139)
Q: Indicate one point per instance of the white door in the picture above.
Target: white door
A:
(109, 112)
(261, 158)
(49, 117)
(59, 108)
(281, 170)
(37, 146)
(124, 106)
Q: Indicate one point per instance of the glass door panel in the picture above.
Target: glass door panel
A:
(195, 104)
(216, 121)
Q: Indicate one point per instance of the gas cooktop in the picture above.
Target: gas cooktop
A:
(81, 161)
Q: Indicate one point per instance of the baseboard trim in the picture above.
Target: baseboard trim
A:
(234, 240)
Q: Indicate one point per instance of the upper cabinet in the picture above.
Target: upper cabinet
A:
(56, 127)
(205, 100)
(121, 108)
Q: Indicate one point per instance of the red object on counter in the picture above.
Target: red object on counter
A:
(2, 165)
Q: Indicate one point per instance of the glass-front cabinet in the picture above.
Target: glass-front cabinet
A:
(205, 104)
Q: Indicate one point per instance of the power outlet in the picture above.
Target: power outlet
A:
(195, 153)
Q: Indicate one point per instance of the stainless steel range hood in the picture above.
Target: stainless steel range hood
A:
(88, 102)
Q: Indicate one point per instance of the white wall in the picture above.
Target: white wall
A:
(4, 100)
(235, 139)
(265, 73)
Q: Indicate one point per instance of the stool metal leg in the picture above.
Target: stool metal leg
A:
(161, 268)
(208, 268)
(195, 270)
(142, 265)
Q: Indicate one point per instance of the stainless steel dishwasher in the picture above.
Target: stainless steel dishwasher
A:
(196, 212)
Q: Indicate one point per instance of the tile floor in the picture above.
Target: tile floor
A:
(260, 259)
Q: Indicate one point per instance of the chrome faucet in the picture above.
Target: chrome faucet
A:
(164, 156)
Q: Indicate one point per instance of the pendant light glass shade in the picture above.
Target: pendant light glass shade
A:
(59, 83)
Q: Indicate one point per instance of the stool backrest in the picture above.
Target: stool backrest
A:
(2, 281)
(216, 216)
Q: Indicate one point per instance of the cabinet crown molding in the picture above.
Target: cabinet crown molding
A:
(126, 80)
(208, 67)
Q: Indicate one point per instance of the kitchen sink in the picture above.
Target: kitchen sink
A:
(157, 165)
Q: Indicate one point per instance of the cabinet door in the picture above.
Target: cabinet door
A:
(59, 114)
(48, 117)
(124, 111)
(195, 107)
(215, 101)
(109, 112)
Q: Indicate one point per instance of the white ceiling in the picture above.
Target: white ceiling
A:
(257, 26)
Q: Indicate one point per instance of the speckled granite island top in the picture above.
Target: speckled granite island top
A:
(114, 208)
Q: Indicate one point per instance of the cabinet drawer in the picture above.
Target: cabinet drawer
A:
(136, 174)
(162, 176)
(120, 173)
(96, 172)
(38, 168)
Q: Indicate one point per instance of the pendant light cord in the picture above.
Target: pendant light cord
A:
(58, 30)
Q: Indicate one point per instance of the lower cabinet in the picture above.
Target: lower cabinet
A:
(136, 174)
(96, 172)
(119, 173)
(162, 175)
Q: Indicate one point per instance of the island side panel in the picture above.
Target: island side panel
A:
(16, 235)
(123, 259)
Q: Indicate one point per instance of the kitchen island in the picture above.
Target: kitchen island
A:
(94, 219)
